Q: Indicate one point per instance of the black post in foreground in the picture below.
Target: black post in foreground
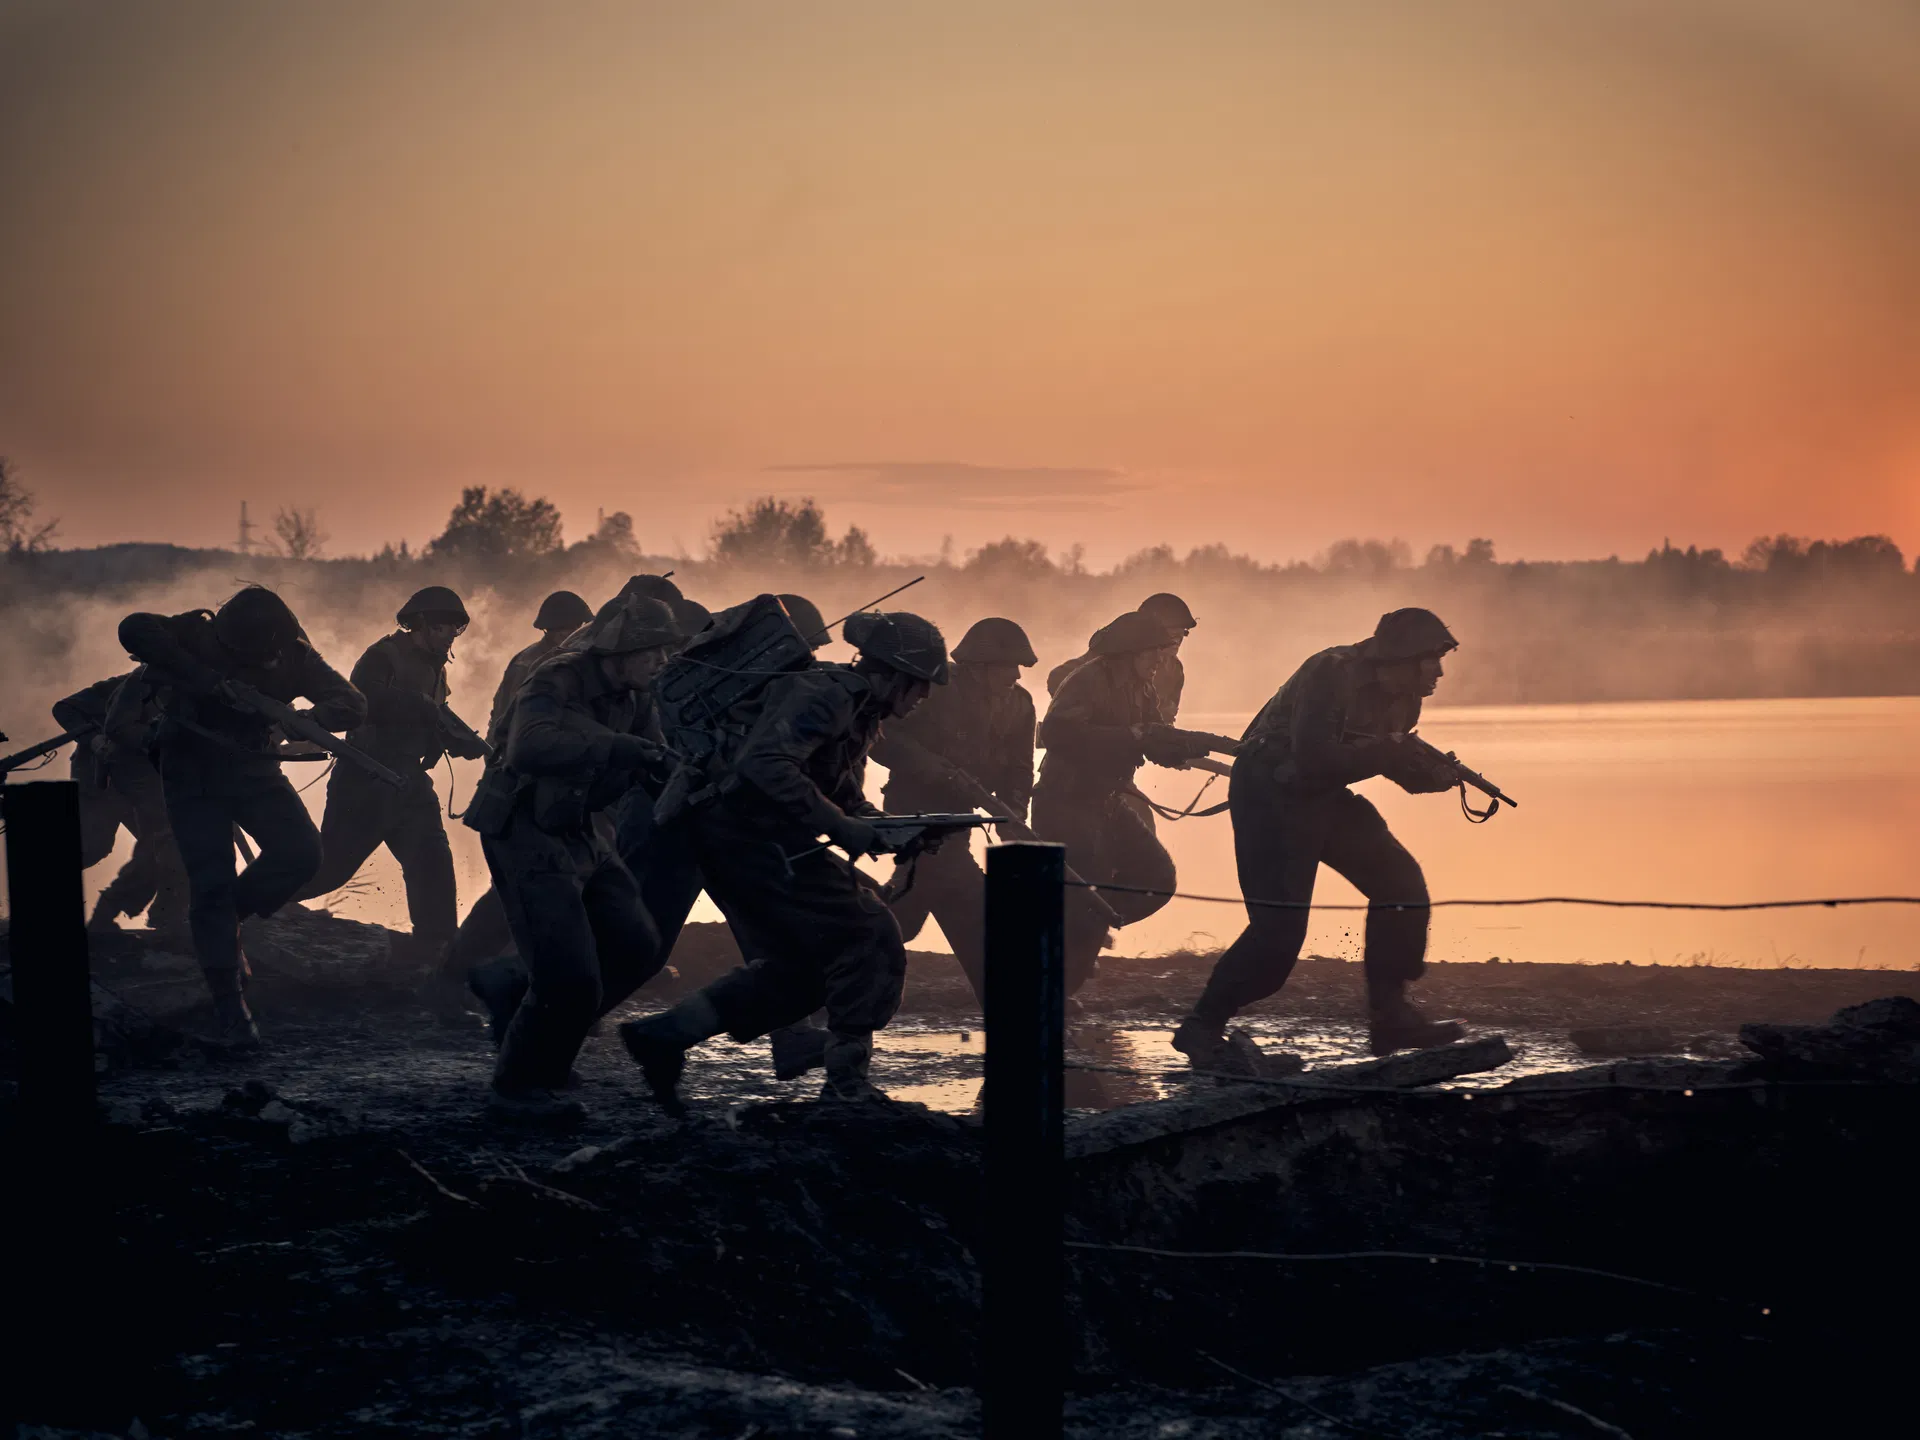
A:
(1023, 1339)
(52, 1000)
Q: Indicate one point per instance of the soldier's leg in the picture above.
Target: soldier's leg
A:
(272, 814)
(540, 883)
(956, 892)
(203, 827)
(1362, 848)
(864, 976)
(131, 889)
(1277, 841)
(140, 783)
(624, 934)
(1078, 822)
(358, 819)
(417, 836)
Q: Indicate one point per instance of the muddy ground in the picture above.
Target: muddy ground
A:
(329, 1239)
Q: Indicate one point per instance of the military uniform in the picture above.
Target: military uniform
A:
(815, 931)
(1327, 728)
(120, 786)
(217, 766)
(405, 683)
(560, 614)
(985, 733)
(1086, 798)
(574, 909)
(1170, 681)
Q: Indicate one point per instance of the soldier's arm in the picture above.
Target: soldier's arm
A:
(1016, 780)
(1075, 724)
(86, 707)
(151, 640)
(549, 735)
(503, 697)
(337, 705)
(797, 723)
(127, 711)
(904, 754)
(388, 702)
(1169, 684)
(1321, 755)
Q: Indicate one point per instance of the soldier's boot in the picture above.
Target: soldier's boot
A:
(234, 1030)
(1395, 1023)
(534, 1106)
(847, 1060)
(1204, 1042)
(500, 985)
(797, 1049)
(659, 1045)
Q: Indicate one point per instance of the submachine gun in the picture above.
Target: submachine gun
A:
(296, 726)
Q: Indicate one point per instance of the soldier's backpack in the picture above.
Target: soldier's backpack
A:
(702, 689)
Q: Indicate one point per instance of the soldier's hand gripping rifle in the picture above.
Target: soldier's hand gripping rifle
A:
(1011, 826)
(1446, 762)
(466, 741)
(45, 747)
(298, 726)
(1178, 749)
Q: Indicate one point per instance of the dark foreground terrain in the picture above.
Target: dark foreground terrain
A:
(330, 1240)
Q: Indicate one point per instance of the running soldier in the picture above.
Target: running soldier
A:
(1173, 616)
(1340, 719)
(119, 786)
(218, 769)
(970, 745)
(577, 740)
(816, 928)
(408, 728)
(1105, 723)
(561, 613)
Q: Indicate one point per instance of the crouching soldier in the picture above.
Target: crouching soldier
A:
(1338, 720)
(408, 728)
(818, 931)
(218, 769)
(574, 909)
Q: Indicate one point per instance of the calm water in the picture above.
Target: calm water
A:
(1683, 800)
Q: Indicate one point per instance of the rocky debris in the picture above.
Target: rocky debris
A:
(1879, 1040)
(318, 950)
(1644, 1073)
(123, 1035)
(1158, 1119)
(299, 1122)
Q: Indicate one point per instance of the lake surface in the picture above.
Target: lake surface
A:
(1686, 800)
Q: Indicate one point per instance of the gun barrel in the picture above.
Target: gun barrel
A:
(300, 727)
(1483, 785)
(45, 747)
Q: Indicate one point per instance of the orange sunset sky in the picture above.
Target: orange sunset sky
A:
(1576, 276)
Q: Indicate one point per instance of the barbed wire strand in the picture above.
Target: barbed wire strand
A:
(1828, 902)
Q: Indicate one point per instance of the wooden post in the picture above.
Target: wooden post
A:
(52, 986)
(1023, 1324)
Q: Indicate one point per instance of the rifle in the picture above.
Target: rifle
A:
(906, 836)
(464, 734)
(1207, 764)
(45, 747)
(1496, 797)
(1011, 826)
(296, 726)
(1199, 743)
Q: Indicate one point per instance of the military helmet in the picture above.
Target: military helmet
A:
(901, 640)
(651, 587)
(625, 624)
(1130, 633)
(435, 602)
(807, 619)
(1410, 633)
(995, 641)
(1169, 609)
(256, 624)
(562, 610)
(690, 615)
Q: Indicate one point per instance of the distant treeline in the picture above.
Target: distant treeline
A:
(1789, 617)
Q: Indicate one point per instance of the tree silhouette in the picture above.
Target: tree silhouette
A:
(498, 525)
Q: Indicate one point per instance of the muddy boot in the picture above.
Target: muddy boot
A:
(233, 1029)
(1245, 1057)
(533, 1106)
(1395, 1023)
(500, 985)
(1204, 1043)
(659, 1045)
(797, 1049)
(847, 1059)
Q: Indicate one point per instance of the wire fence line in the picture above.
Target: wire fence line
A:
(1833, 902)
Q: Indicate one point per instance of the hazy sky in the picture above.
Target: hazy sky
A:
(1571, 275)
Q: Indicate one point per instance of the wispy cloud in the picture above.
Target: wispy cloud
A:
(955, 485)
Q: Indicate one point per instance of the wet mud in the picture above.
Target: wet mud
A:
(331, 1239)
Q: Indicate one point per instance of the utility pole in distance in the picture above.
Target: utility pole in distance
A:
(1023, 1271)
(246, 531)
